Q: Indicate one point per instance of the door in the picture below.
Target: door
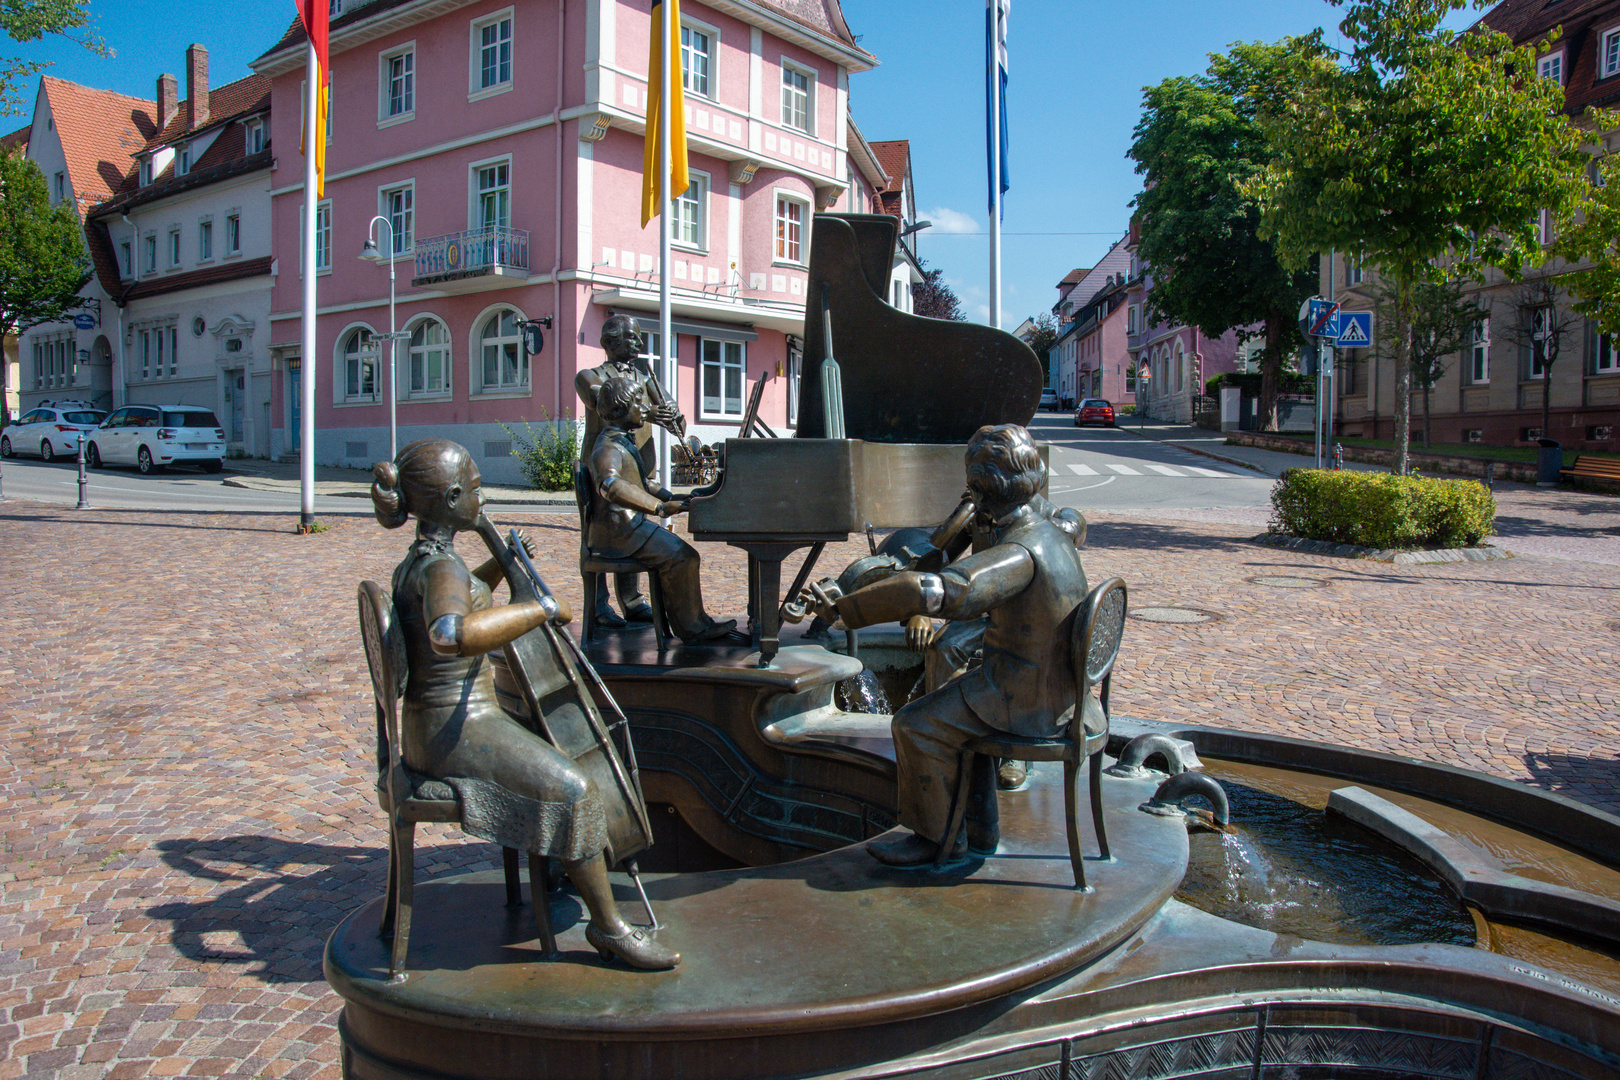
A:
(295, 400)
(234, 389)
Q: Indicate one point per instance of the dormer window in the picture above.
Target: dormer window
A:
(253, 133)
(182, 160)
(146, 171)
(334, 8)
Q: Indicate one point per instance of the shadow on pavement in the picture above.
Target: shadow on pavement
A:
(1567, 774)
(1158, 536)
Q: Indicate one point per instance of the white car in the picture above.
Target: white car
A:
(52, 430)
(151, 437)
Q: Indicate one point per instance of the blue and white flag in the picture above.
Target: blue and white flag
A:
(995, 30)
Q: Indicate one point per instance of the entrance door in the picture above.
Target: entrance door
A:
(295, 399)
(233, 404)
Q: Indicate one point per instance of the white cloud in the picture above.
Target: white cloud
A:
(947, 220)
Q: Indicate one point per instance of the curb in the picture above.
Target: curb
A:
(1488, 553)
(1201, 452)
(344, 489)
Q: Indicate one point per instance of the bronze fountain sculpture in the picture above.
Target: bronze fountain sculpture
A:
(801, 955)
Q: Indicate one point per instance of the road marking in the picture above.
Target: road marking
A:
(1165, 469)
(1081, 470)
(1209, 472)
(1083, 487)
(1124, 470)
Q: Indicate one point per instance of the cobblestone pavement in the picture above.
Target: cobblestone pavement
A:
(186, 738)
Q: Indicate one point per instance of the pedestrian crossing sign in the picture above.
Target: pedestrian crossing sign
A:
(1355, 329)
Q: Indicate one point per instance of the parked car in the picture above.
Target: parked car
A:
(152, 437)
(51, 430)
(1049, 400)
(1094, 411)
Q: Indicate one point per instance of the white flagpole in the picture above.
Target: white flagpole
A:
(306, 361)
(666, 120)
(995, 166)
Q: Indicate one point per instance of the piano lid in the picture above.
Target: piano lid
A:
(906, 378)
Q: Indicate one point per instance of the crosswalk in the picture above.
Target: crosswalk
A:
(1183, 471)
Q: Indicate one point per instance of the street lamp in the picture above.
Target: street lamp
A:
(371, 253)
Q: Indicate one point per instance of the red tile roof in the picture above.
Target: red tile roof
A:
(894, 157)
(1582, 21)
(101, 132)
(16, 140)
(240, 98)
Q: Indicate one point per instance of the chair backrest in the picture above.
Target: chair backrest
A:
(1098, 626)
(386, 658)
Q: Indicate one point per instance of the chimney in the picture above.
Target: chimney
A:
(197, 84)
(168, 100)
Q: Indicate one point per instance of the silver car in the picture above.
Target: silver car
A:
(152, 437)
(51, 430)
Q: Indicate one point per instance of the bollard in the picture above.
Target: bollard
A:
(1338, 456)
(84, 502)
(1490, 476)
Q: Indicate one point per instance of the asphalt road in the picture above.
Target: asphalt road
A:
(177, 489)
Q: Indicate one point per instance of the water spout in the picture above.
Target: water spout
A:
(1179, 756)
(1167, 800)
(864, 694)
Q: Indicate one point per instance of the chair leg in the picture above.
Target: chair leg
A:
(404, 837)
(1097, 804)
(540, 894)
(514, 884)
(589, 582)
(391, 890)
(953, 824)
(655, 596)
(1071, 818)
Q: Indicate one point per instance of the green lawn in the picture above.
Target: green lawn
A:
(1473, 450)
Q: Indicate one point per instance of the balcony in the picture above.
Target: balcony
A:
(491, 258)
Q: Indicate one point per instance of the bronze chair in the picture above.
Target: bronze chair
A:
(1099, 622)
(408, 797)
(592, 566)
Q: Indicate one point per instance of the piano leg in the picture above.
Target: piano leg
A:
(764, 593)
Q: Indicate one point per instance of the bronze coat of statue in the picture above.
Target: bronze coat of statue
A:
(625, 348)
(1026, 584)
(623, 494)
(452, 726)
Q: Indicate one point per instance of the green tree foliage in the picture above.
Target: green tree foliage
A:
(935, 299)
(1422, 147)
(1042, 340)
(43, 263)
(1591, 238)
(1199, 140)
(30, 20)
(1442, 318)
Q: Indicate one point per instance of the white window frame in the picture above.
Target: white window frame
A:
(477, 89)
(205, 239)
(233, 234)
(1132, 321)
(323, 236)
(174, 247)
(1546, 314)
(810, 76)
(146, 171)
(403, 239)
(1353, 270)
(126, 260)
(729, 356)
(475, 357)
(1479, 365)
(149, 253)
(691, 222)
(1551, 66)
(711, 56)
(59, 194)
(1609, 52)
(387, 115)
(182, 159)
(1605, 354)
(781, 249)
(475, 218)
(1544, 227)
(253, 136)
(409, 388)
(365, 390)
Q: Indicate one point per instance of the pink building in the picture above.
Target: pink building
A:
(503, 144)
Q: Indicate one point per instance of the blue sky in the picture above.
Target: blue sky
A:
(1077, 72)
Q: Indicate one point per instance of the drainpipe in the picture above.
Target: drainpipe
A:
(121, 384)
(557, 247)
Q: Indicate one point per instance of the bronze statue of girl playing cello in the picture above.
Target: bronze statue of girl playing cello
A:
(453, 727)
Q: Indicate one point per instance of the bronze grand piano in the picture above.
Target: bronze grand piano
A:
(913, 392)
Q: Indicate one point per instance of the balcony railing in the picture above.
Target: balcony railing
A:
(474, 253)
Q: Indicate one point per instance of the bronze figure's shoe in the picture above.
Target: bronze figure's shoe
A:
(1011, 775)
(608, 618)
(982, 838)
(635, 947)
(910, 850)
(640, 614)
(715, 631)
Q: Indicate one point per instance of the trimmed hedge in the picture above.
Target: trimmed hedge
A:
(1381, 510)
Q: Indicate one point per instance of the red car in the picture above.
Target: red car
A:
(1094, 411)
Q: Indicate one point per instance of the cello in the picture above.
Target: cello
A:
(561, 689)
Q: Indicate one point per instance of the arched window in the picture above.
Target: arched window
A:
(503, 361)
(359, 364)
(1181, 365)
(429, 358)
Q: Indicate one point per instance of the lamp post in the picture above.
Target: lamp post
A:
(371, 253)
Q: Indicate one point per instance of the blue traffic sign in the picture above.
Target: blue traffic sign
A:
(1324, 318)
(1355, 329)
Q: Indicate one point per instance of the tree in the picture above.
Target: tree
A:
(1199, 140)
(1442, 322)
(1422, 146)
(43, 263)
(1041, 341)
(1543, 328)
(935, 299)
(1590, 237)
(30, 20)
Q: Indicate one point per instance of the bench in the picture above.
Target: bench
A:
(1591, 467)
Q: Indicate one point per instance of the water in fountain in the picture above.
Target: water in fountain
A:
(863, 694)
(1285, 867)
